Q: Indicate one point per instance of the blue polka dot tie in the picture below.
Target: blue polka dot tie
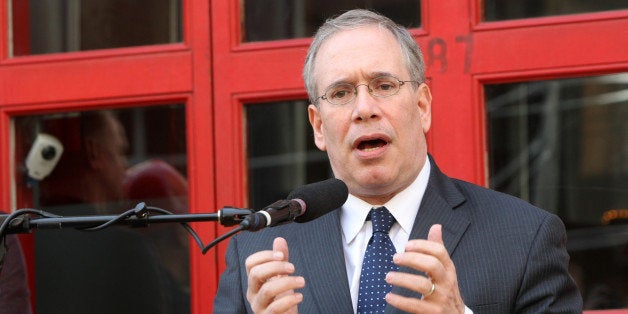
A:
(377, 263)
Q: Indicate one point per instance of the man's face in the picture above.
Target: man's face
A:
(375, 145)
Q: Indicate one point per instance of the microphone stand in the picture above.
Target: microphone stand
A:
(21, 221)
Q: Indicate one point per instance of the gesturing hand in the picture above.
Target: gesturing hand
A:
(440, 287)
(270, 284)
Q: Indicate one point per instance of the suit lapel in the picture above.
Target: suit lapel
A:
(438, 206)
(327, 281)
(321, 252)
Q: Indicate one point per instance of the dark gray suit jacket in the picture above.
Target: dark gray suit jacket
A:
(510, 256)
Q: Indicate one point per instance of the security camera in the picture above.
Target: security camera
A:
(43, 156)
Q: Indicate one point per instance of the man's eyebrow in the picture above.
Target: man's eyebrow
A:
(340, 81)
(369, 76)
(375, 74)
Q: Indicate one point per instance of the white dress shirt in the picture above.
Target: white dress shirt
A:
(357, 232)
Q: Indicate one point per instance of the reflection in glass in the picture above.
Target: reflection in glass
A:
(563, 145)
(51, 26)
(111, 160)
(497, 10)
(272, 20)
(281, 153)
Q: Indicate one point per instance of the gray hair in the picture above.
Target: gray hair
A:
(358, 18)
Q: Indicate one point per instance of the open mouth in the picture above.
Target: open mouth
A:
(371, 144)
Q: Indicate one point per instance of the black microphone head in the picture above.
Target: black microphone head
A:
(320, 198)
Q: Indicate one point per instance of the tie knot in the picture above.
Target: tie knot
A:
(382, 220)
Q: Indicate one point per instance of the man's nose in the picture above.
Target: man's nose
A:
(366, 105)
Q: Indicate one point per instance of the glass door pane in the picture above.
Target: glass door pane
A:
(272, 20)
(281, 153)
(563, 145)
(108, 161)
(51, 26)
(497, 10)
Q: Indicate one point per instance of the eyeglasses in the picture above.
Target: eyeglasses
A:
(381, 86)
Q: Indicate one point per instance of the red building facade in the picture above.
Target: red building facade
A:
(528, 99)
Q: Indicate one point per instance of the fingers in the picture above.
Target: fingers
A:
(417, 283)
(277, 295)
(412, 282)
(431, 291)
(262, 266)
(439, 287)
(271, 288)
(429, 256)
(281, 245)
(435, 234)
(284, 304)
(412, 305)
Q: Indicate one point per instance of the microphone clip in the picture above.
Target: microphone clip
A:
(277, 213)
(278, 205)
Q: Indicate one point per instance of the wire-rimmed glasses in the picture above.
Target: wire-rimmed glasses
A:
(382, 86)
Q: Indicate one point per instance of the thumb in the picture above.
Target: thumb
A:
(436, 234)
(281, 245)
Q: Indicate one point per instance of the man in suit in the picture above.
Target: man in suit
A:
(459, 248)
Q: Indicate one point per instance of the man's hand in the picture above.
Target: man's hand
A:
(270, 286)
(430, 257)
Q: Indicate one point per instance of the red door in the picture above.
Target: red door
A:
(476, 51)
(233, 83)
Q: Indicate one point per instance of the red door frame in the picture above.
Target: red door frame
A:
(117, 78)
(462, 54)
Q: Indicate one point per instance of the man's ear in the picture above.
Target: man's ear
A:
(425, 107)
(317, 126)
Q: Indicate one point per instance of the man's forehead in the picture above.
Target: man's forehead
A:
(358, 53)
(345, 38)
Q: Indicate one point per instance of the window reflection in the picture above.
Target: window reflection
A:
(281, 153)
(563, 145)
(273, 20)
(496, 10)
(111, 160)
(41, 27)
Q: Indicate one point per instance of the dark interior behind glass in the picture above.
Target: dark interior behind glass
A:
(111, 161)
(563, 146)
(497, 10)
(281, 154)
(273, 20)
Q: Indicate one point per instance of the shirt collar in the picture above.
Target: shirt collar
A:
(404, 206)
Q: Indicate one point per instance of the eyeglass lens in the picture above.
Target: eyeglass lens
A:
(382, 86)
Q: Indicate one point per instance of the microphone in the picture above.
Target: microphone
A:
(304, 203)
